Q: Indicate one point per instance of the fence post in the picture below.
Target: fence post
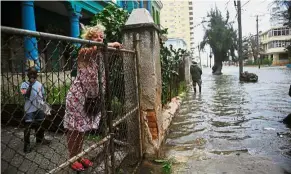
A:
(109, 109)
(104, 104)
(141, 22)
(136, 41)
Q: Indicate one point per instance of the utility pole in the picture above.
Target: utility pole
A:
(239, 37)
(258, 49)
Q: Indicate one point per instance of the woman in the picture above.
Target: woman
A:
(76, 120)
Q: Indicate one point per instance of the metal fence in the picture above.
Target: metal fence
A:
(113, 147)
(174, 79)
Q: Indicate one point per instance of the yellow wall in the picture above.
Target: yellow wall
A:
(175, 17)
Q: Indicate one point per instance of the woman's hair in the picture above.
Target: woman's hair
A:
(87, 32)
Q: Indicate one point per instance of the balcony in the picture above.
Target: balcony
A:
(159, 3)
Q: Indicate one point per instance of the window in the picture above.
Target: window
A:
(278, 44)
(275, 32)
(283, 32)
(283, 56)
(279, 32)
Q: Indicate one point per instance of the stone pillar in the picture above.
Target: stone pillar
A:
(30, 43)
(140, 23)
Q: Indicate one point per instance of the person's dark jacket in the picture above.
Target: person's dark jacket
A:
(196, 72)
(290, 91)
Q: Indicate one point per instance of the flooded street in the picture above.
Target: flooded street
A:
(233, 127)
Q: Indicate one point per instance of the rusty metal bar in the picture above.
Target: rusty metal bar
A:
(94, 146)
(18, 31)
(124, 117)
(138, 93)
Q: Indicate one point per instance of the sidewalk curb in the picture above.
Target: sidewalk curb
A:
(167, 116)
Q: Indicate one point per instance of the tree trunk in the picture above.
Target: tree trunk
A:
(217, 67)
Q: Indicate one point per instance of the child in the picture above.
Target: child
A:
(33, 93)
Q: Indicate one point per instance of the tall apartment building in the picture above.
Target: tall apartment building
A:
(177, 16)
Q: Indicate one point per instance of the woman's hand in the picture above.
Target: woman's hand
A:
(87, 50)
(115, 45)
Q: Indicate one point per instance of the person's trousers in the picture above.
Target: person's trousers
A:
(39, 132)
(195, 82)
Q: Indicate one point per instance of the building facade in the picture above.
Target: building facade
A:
(154, 7)
(58, 17)
(273, 44)
(177, 16)
(176, 43)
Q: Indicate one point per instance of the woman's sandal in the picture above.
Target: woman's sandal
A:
(86, 163)
(77, 166)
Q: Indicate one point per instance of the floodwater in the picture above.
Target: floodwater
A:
(233, 127)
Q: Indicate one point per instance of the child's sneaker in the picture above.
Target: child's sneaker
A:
(86, 163)
(77, 166)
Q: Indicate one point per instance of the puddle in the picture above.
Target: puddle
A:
(228, 152)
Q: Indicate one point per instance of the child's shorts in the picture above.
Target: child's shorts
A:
(34, 116)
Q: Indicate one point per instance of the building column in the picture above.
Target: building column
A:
(30, 43)
(75, 14)
(141, 4)
(150, 6)
(75, 20)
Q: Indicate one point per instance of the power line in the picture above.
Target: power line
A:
(226, 5)
(245, 3)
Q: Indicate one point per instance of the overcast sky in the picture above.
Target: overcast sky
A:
(250, 8)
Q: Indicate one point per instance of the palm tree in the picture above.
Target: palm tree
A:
(221, 37)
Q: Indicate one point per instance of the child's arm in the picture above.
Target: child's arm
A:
(23, 88)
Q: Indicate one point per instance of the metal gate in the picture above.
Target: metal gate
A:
(114, 147)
